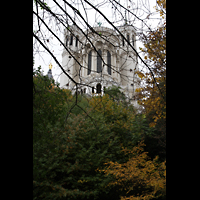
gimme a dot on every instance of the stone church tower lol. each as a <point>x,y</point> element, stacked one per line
<point>114,64</point>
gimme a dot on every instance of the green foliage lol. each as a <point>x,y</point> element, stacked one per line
<point>115,93</point>
<point>48,102</point>
<point>73,138</point>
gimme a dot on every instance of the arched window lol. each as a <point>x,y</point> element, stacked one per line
<point>98,88</point>
<point>133,40</point>
<point>128,39</point>
<point>76,41</point>
<point>89,62</point>
<point>99,61</point>
<point>66,40</point>
<point>122,41</point>
<point>71,40</point>
<point>109,62</point>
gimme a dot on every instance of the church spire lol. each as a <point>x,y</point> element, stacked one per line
<point>50,72</point>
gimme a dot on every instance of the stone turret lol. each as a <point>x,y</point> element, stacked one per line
<point>100,60</point>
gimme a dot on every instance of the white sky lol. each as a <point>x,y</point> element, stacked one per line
<point>44,59</point>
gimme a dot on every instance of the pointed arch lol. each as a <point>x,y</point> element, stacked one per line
<point>109,62</point>
<point>99,61</point>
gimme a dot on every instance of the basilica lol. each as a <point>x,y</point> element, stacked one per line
<point>101,58</point>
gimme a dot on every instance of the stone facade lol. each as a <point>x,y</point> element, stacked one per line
<point>114,64</point>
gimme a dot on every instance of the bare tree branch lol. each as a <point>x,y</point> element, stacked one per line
<point>128,43</point>
<point>54,59</point>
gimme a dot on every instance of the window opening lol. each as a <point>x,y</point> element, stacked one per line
<point>89,62</point>
<point>133,41</point>
<point>77,41</point>
<point>99,61</point>
<point>109,62</point>
<point>98,88</point>
<point>128,38</point>
<point>71,40</point>
<point>66,41</point>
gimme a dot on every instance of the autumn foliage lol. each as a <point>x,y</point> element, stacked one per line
<point>139,178</point>
<point>152,95</point>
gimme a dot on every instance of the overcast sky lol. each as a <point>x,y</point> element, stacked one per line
<point>44,59</point>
